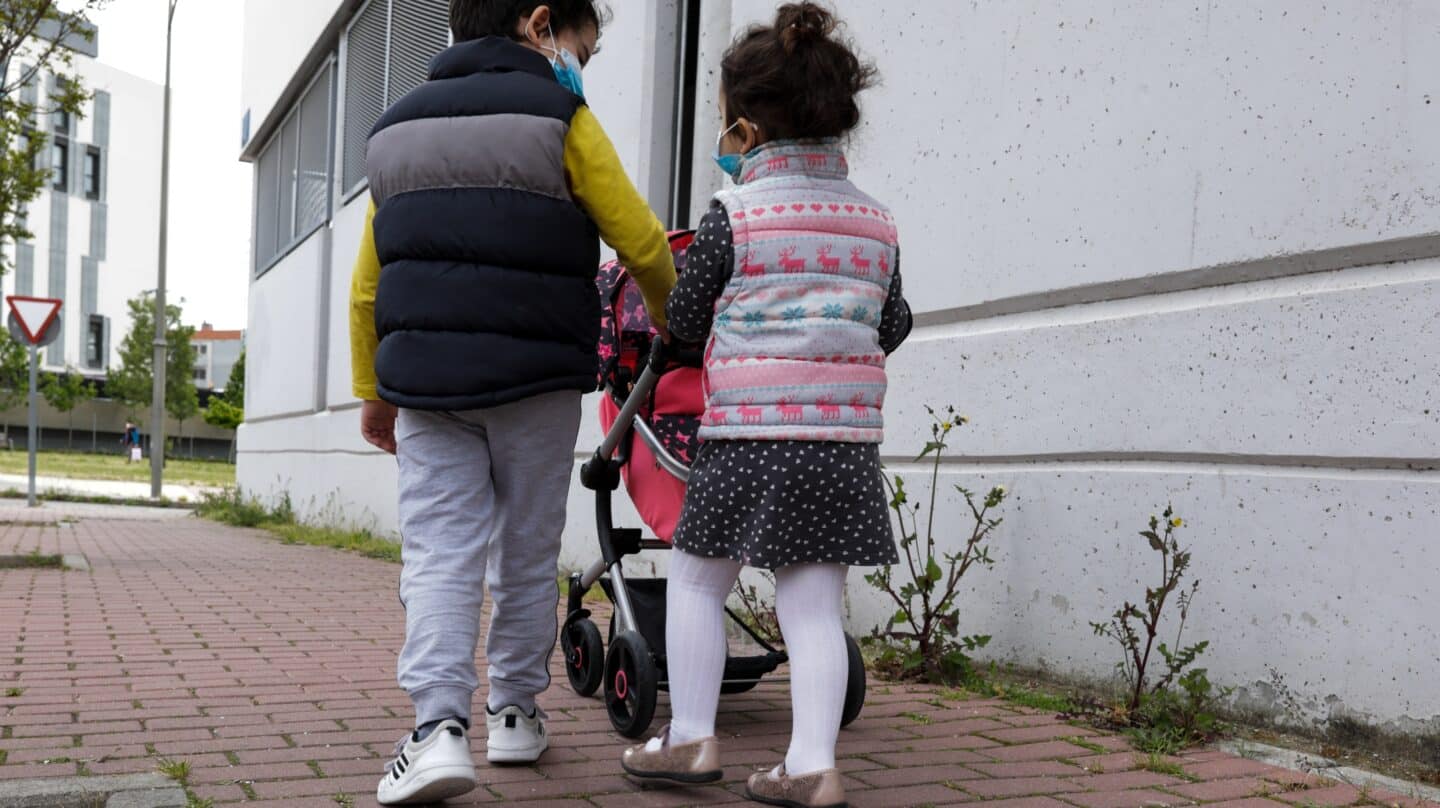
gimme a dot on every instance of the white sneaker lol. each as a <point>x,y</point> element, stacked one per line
<point>516,737</point>
<point>430,770</point>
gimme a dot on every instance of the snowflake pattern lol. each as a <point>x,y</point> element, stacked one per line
<point>774,503</point>
<point>794,314</point>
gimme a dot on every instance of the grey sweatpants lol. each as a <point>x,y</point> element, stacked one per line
<point>482,502</point>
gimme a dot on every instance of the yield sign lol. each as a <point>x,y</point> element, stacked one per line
<point>35,314</point>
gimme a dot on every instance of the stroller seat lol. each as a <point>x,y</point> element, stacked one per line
<point>651,407</point>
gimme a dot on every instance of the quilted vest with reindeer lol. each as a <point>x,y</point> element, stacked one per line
<point>795,351</point>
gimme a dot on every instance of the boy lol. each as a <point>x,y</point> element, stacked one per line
<point>474,319</point>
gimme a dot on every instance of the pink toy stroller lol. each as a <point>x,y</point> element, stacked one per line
<point>651,411</point>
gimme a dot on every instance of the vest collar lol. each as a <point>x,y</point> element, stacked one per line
<point>491,54</point>
<point>824,159</point>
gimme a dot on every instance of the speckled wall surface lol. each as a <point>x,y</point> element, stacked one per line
<point>1178,252</point>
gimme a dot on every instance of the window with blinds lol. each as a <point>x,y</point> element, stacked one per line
<point>292,175</point>
<point>387,53</point>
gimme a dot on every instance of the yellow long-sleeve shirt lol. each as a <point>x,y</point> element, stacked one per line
<point>600,185</point>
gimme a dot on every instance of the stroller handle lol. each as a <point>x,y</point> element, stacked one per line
<point>635,399</point>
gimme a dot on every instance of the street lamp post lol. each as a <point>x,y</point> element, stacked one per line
<point>157,416</point>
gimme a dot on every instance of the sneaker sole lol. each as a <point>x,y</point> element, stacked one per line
<point>515,756</point>
<point>675,778</point>
<point>434,785</point>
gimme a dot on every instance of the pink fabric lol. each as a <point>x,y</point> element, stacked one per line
<point>657,495</point>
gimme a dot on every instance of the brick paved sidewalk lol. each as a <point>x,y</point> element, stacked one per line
<point>269,668</point>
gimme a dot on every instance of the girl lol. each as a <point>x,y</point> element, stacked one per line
<point>794,279</point>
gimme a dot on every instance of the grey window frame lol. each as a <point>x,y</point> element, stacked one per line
<point>92,361</point>
<point>60,174</point>
<point>288,244</point>
<point>92,159</point>
<point>348,194</point>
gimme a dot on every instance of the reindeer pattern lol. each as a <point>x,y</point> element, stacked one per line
<point>814,258</point>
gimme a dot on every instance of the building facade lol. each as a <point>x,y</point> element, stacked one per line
<point>216,353</point>
<point>1159,253</point>
<point>96,225</point>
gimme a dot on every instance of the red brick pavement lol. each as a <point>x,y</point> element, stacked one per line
<point>270,669</point>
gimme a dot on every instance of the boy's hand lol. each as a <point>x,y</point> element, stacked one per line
<point>377,424</point>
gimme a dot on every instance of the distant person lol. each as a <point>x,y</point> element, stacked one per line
<point>493,184</point>
<point>131,442</point>
<point>800,307</point>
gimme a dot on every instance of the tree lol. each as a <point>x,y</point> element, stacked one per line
<point>14,372</point>
<point>132,382</point>
<point>65,393</point>
<point>32,37</point>
<point>183,401</point>
<point>235,385</point>
<point>228,411</point>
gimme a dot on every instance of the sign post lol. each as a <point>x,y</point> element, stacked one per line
<point>34,321</point>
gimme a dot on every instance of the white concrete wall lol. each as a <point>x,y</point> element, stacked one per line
<point>1159,254</point>
<point>1109,218</point>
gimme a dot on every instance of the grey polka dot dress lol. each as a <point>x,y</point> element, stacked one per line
<point>771,503</point>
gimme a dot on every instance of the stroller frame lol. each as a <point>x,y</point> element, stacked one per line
<point>631,674</point>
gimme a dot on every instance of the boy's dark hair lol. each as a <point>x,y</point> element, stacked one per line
<point>473,19</point>
<point>796,78</point>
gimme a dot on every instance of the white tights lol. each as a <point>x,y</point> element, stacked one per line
<point>808,601</point>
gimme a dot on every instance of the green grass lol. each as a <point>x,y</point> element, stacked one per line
<point>177,770</point>
<point>919,718</point>
<point>1159,765</point>
<point>1036,699</point>
<point>1076,740</point>
<point>14,692</point>
<point>89,499</point>
<point>31,561</point>
<point>344,800</point>
<point>4,755</point>
<point>84,466</point>
<point>233,508</point>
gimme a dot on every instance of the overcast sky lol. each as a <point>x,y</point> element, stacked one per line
<point>209,187</point>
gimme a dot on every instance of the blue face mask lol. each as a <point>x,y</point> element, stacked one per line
<point>731,164</point>
<point>567,68</point>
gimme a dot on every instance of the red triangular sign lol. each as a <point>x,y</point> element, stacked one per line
<point>35,314</point>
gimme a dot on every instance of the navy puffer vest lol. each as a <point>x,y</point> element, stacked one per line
<point>487,288</point>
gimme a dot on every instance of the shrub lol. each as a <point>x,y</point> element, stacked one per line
<point>923,637</point>
<point>1161,719</point>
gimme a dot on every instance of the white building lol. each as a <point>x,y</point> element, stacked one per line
<point>96,226</point>
<point>216,353</point>
<point>1159,252</point>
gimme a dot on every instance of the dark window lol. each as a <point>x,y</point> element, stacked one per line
<point>62,121</point>
<point>199,374</point>
<point>60,164</point>
<point>92,173</point>
<point>95,342</point>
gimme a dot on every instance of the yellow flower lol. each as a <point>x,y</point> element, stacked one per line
<point>1177,522</point>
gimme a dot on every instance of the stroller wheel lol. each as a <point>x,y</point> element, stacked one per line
<point>855,687</point>
<point>584,656</point>
<point>630,684</point>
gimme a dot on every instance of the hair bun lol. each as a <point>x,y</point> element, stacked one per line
<point>802,22</point>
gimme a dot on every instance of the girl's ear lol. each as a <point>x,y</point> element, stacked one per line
<point>749,135</point>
